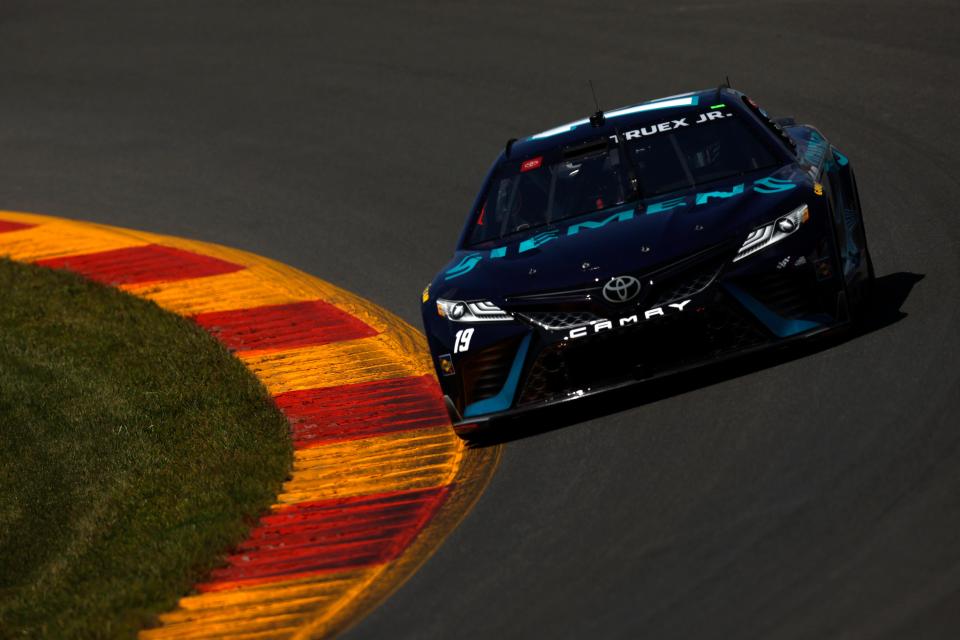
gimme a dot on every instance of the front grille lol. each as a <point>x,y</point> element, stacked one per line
<point>658,345</point>
<point>485,370</point>
<point>546,378</point>
<point>559,320</point>
<point>728,331</point>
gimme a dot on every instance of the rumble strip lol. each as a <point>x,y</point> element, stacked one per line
<point>379,478</point>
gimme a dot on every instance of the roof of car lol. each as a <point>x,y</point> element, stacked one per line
<point>614,119</point>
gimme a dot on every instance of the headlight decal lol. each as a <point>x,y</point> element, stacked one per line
<point>475,311</point>
<point>782,227</point>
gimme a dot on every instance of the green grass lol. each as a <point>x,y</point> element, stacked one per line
<point>134,451</point>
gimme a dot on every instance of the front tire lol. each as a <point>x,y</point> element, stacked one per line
<point>865,287</point>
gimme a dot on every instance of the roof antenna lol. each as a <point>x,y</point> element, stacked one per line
<point>597,119</point>
<point>721,87</point>
<point>508,146</point>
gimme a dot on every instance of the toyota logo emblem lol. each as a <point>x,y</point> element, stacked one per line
<point>621,289</point>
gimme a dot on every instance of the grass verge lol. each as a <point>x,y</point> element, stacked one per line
<point>134,450</point>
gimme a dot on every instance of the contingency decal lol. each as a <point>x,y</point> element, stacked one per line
<point>446,365</point>
<point>531,164</point>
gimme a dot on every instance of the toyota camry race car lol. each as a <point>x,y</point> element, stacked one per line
<point>640,242</point>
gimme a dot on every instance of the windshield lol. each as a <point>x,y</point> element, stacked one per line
<point>535,193</point>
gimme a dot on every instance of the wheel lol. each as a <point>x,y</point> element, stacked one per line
<point>861,307</point>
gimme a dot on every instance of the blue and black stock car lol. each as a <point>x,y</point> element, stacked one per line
<point>642,241</point>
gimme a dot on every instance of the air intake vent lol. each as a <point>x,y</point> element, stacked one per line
<point>485,371</point>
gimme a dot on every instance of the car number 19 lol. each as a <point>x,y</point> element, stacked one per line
<point>461,342</point>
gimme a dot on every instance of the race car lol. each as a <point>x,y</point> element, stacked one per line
<point>639,242</point>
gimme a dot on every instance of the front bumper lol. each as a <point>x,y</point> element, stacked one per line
<point>466,427</point>
<point>725,309</point>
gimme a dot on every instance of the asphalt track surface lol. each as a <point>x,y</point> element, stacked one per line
<point>811,495</point>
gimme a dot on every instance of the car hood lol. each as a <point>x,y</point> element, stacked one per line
<point>616,241</point>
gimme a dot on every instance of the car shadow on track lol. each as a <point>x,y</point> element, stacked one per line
<point>889,294</point>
